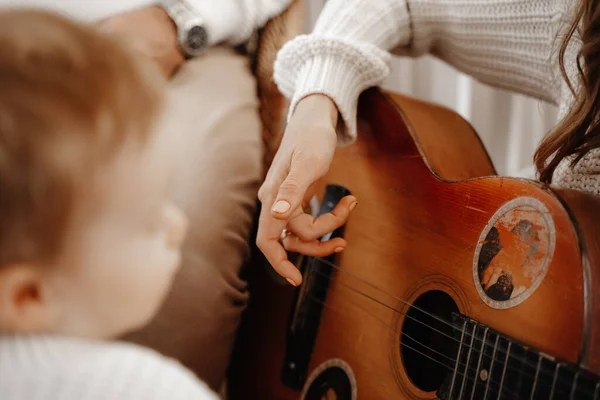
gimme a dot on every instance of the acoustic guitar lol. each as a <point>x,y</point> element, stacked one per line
<point>455,284</point>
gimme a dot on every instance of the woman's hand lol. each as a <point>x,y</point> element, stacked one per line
<point>304,156</point>
<point>152,34</point>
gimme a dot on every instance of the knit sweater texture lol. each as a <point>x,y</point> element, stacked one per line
<point>508,44</point>
<point>61,368</point>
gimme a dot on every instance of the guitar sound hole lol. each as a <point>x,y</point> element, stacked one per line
<point>427,344</point>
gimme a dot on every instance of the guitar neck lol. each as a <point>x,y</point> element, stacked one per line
<point>489,365</point>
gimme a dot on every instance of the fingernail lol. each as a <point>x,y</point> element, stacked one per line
<point>281,206</point>
<point>291,282</point>
<point>353,205</point>
<point>339,249</point>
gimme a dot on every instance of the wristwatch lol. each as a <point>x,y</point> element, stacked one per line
<point>191,32</point>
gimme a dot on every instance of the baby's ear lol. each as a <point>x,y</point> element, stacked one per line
<point>23,306</point>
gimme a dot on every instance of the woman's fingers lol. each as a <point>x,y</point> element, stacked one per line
<point>269,242</point>
<point>308,229</point>
<point>308,195</point>
<point>303,231</point>
<point>314,248</point>
<point>291,192</point>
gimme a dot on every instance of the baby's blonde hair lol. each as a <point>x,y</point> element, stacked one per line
<point>69,98</point>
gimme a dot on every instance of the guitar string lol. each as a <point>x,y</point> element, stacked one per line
<point>466,370</point>
<point>558,382</point>
<point>401,300</point>
<point>464,374</point>
<point>473,348</point>
<point>523,360</point>
<point>427,313</point>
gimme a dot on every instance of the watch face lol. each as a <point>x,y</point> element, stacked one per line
<point>197,39</point>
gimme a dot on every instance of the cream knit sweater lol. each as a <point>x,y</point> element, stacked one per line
<point>511,44</point>
<point>59,368</point>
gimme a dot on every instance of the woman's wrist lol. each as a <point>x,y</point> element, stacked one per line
<point>319,108</point>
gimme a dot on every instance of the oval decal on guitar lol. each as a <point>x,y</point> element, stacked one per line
<point>514,252</point>
<point>333,380</point>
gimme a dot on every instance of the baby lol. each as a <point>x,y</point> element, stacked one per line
<point>89,242</point>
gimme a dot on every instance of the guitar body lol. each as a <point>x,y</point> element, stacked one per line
<point>430,240</point>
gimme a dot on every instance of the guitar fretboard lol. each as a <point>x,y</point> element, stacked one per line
<point>491,366</point>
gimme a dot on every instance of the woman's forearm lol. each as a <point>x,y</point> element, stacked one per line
<point>507,44</point>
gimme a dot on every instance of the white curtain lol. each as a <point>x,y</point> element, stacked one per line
<point>510,125</point>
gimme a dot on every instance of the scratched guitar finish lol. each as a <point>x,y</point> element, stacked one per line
<point>456,283</point>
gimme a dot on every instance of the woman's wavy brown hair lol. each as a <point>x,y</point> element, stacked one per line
<point>579,130</point>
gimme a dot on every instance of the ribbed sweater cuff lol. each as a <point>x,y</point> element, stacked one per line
<point>333,68</point>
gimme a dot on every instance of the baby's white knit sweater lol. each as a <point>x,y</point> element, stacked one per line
<point>511,44</point>
<point>55,368</point>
